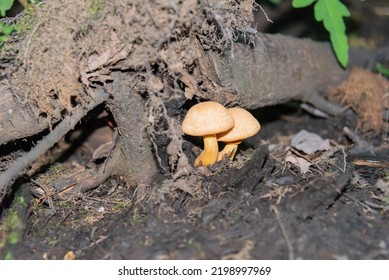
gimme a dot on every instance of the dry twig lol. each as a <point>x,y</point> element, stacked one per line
<point>288,244</point>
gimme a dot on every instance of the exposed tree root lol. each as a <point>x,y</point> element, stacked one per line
<point>75,184</point>
<point>190,44</point>
<point>46,143</point>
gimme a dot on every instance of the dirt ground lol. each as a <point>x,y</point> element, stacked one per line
<point>261,206</point>
<point>265,209</point>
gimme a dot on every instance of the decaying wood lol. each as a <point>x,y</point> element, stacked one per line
<point>61,130</point>
<point>16,117</point>
<point>133,148</point>
<point>276,69</point>
<point>272,69</point>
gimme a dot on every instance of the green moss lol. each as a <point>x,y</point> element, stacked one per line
<point>136,217</point>
<point>190,241</point>
<point>26,23</point>
<point>13,228</point>
<point>9,256</point>
<point>13,225</point>
<point>13,238</point>
<point>94,7</point>
<point>121,205</point>
<point>53,242</point>
<point>237,212</point>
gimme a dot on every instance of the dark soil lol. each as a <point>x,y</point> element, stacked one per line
<point>257,207</point>
<point>261,210</point>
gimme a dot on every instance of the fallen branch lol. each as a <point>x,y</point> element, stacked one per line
<point>53,137</point>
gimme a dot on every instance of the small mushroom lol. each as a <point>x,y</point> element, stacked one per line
<point>207,119</point>
<point>245,126</point>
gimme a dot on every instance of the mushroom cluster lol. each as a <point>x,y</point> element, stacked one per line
<point>214,123</point>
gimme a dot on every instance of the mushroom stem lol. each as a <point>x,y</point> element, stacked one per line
<point>209,155</point>
<point>229,149</point>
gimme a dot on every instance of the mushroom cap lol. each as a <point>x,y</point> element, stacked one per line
<point>207,118</point>
<point>245,126</point>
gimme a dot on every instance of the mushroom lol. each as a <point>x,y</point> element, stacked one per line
<point>245,126</point>
<point>207,119</point>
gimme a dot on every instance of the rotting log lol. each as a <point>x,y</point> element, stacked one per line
<point>131,155</point>
<point>67,124</point>
<point>276,70</point>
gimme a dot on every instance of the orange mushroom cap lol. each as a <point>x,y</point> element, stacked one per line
<point>245,126</point>
<point>207,119</point>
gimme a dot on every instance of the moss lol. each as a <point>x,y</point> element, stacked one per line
<point>136,217</point>
<point>94,7</point>
<point>26,23</point>
<point>9,256</point>
<point>190,241</point>
<point>13,227</point>
<point>121,205</point>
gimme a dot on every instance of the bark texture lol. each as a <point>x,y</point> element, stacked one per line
<point>133,151</point>
<point>274,69</point>
<point>17,119</point>
<point>277,69</point>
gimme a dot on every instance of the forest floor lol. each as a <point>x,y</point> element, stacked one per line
<point>262,206</point>
<point>275,201</point>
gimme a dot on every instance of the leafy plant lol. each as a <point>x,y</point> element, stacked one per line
<point>5,29</point>
<point>383,71</point>
<point>5,5</point>
<point>331,13</point>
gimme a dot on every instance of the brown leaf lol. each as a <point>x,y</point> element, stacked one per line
<point>300,162</point>
<point>309,142</point>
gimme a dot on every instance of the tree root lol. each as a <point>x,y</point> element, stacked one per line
<point>324,105</point>
<point>75,184</point>
<point>53,137</point>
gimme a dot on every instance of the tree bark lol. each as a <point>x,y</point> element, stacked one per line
<point>67,124</point>
<point>133,150</point>
<point>276,69</point>
<point>17,120</point>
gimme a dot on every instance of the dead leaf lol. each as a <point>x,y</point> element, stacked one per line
<point>300,162</point>
<point>309,142</point>
<point>383,185</point>
<point>190,84</point>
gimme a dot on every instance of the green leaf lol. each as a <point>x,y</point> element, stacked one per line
<point>5,5</point>
<point>382,70</point>
<point>331,12</point>
<point>8,29</point>
<point>302,3</point>
<point>3,38</point>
